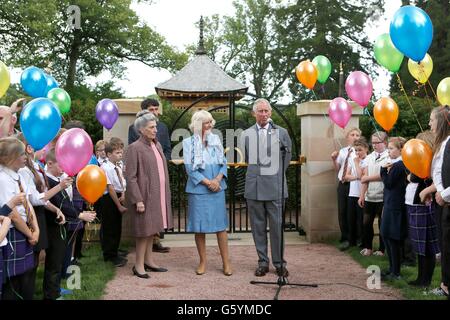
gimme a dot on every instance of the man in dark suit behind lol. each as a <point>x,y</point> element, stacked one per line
<point>163,136</point>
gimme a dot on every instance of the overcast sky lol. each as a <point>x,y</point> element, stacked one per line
<point>175,20</point>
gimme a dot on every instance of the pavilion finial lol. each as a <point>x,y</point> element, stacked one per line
<point>201,47</point>
<point>341,79</point>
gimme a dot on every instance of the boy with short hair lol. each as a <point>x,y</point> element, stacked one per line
<point>113,203</point>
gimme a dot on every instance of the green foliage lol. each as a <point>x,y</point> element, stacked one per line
<point>84,101</point>
<point>95,274</point>
<point>407,125</point>
<point>37,33</point>
<point>408,274</point>
<point>264,41</point>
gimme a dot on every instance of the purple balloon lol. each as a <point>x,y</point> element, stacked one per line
<point>340,111</point>
<point>359,88</point>
<point>107,113</point>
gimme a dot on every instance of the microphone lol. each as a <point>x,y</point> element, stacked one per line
<point>282,146</point>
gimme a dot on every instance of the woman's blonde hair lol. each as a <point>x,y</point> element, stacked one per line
<point>353,129</point>
<point>198,118</point>
<point>442,126</point>
<point>426,136</point>
<point>10,149</point>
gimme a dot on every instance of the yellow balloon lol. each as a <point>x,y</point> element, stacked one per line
<point>421,71</point>
<point>4,79</point>
<point>443,91</point>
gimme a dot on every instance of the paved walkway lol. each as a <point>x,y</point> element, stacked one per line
<point>338,275</point>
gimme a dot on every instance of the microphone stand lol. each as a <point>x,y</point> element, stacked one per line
<point>282,280</point>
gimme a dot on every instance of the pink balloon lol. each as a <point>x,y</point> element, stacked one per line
<point>359,88</point>
<point>74,150</point>
<point>340,111</point>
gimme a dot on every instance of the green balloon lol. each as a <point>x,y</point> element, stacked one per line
<point>387,54</point>
<point>323,66</point>
<point>61,98</point>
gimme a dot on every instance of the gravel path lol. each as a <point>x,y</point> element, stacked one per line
<point>340,277</point>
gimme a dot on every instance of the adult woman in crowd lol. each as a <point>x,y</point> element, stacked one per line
<point>148,192</point>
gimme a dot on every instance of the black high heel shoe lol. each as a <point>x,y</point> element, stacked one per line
<point>140,275</point>
<point>152,269</point>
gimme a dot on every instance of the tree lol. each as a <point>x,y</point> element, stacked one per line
<point>439,12</point>
<point>264,40</point>
<point>37,33</point>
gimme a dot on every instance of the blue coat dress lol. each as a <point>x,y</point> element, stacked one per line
<point>206,209</point>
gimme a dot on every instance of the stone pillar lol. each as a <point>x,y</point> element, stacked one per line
<point>319,138</point>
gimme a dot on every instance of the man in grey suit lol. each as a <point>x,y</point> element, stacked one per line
<point>264,144</point>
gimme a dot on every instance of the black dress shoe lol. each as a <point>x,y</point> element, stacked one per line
<point>261,271</point>
<point>158,247</point>
<point>152,269</point>
<point>282,272</point>
<point>118,261</point>
<point>140,275</point>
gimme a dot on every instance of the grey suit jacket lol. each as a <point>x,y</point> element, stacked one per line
<point>263,181</point>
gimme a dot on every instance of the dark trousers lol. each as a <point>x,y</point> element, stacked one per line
<point>342,192</point>
<point>445,248</point>
<point>54,258</point>
<point>111,228</point>
<point>67,260</point>
<point>371,211</point>
<point>355,221</point>
<point>408,255</point>
<point>393,249</point>
<point>426,265</point>
<point>79,243</point>
<point>20,287</point>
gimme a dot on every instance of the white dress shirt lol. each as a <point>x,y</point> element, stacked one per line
<point>10,188</point>
<point>112,177</point>
<point>436,169</point>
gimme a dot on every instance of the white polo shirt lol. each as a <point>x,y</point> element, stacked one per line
<point>113,178</point>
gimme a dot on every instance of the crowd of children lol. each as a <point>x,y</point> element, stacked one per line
<point>41,210</point>
<point>379,185</point>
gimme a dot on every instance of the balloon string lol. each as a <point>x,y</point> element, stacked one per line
<point>402,88</point>
<point>367,112</point>
<point>432,90</point>
<point>426,95</point>
<point>328,119</point>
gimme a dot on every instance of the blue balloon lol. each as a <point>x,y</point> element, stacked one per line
<point>51,84</point>
<point>40,121</point>
<point>411,32</point>
<point>34,82</point>
<point>93,160</point>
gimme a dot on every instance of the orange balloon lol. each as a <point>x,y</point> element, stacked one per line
<point>417,157</point>
<point>306,73</point>
<point>385,112</point>
<point>91,183</point>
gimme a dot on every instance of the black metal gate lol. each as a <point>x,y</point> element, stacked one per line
<point>235,201</point>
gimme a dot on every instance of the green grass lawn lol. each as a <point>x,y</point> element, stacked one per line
<point>95,274</point>
<point>408,274</point>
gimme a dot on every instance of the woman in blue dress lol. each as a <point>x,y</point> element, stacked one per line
<point>206,167</point>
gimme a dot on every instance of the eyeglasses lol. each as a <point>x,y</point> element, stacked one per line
<point>377,142</point>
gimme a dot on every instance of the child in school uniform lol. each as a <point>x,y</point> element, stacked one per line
<point>23,233</point>
<point>341,160</point>
<point>35,179</point>
<point>113,204</point>
<point>423,234</point>
<point>394,223</point>
<point>100,152</point>
<point>59,236</point>
<point>354,173</point>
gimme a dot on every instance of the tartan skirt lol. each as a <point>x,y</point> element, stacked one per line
<point>18,254</point>
<point>423,229</point>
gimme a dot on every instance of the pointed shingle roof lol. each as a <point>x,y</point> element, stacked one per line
<point>200,75</point>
